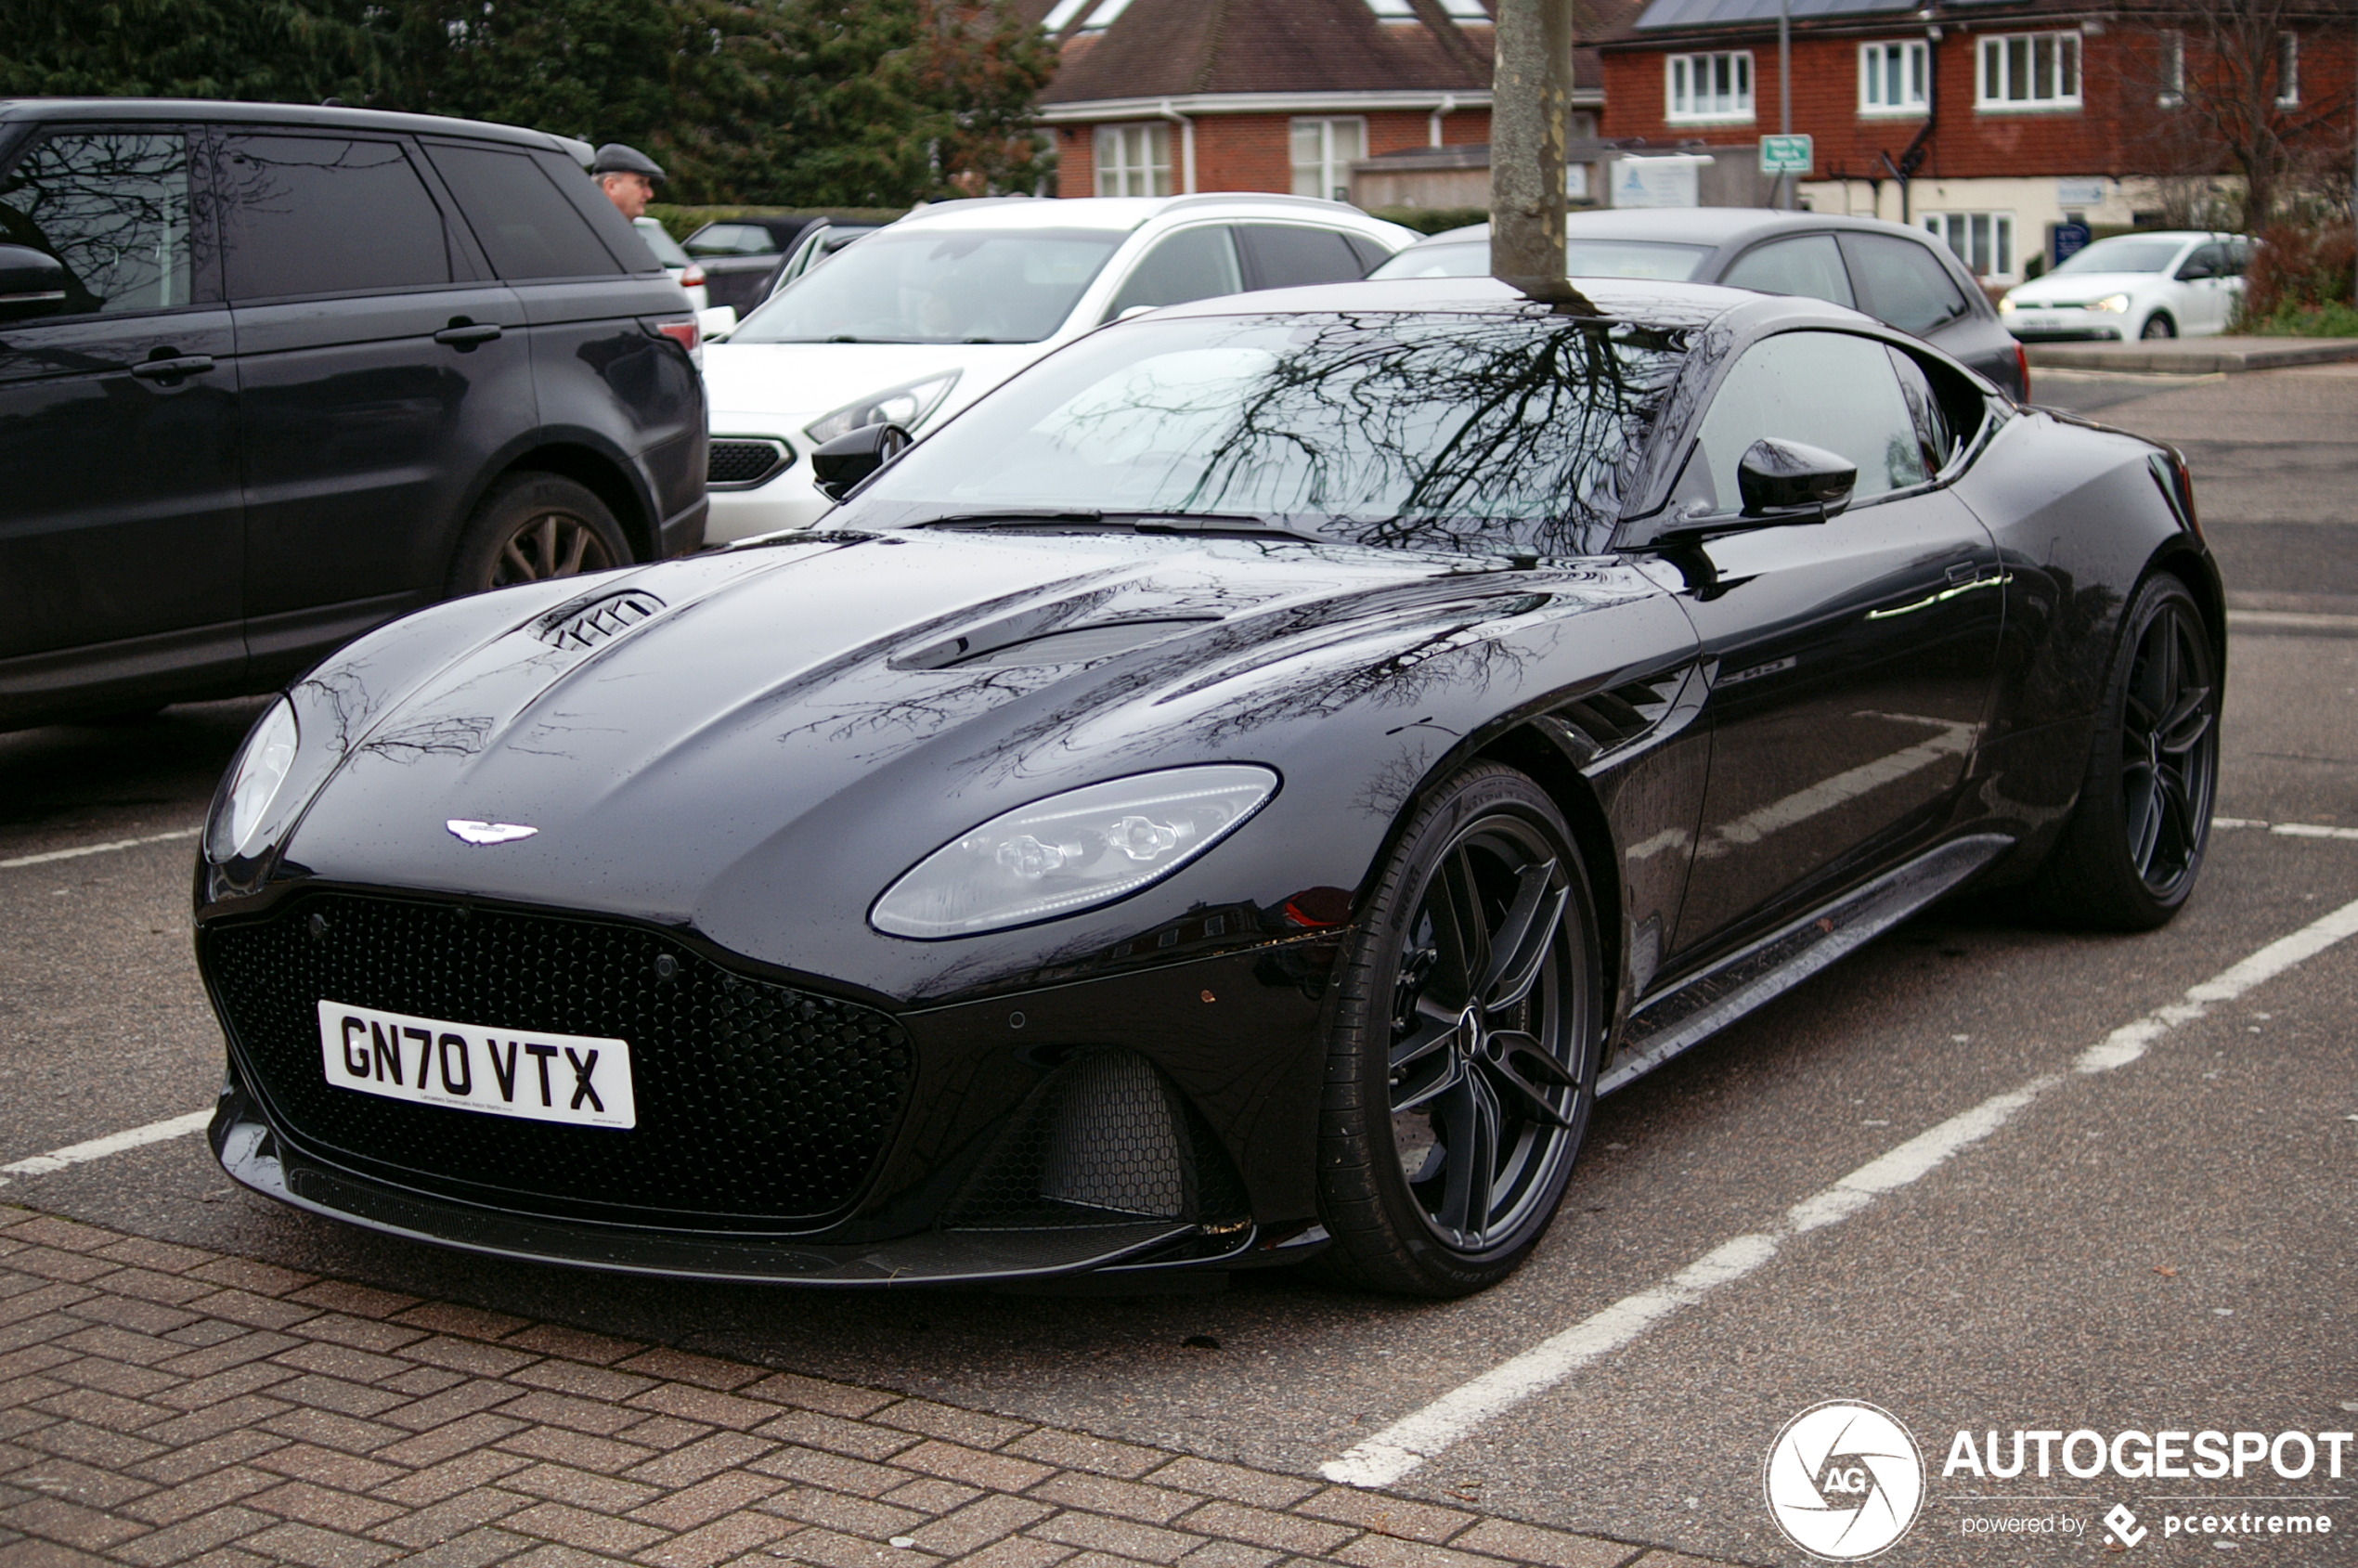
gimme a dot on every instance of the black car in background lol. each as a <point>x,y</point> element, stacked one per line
<point>271,375</point>
<point>1902,277</point>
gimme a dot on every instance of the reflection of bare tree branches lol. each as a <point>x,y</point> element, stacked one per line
<point>431,737</point>
<point>1491,433</point>
<point>114,208</point>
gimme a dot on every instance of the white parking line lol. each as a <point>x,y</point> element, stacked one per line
<point>98,1148</point>
<point>1420,1435</point>
<point>2287,830</point>
<point>99,849</point>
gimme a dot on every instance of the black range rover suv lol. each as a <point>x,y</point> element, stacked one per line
<point>271,375</point>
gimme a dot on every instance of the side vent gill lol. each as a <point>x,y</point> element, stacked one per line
<point>586,626</point>
<point>1610,720</point>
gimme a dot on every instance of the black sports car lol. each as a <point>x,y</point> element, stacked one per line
<point>1236,793</point>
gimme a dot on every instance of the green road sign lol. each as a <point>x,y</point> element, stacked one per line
<point>1784,155</point>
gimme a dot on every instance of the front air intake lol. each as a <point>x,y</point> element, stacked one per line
<point>1107,1140</point>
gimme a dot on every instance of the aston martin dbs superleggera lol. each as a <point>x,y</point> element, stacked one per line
<point>1234,794</point>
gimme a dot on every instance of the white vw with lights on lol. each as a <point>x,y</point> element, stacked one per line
<point>572,1079</point>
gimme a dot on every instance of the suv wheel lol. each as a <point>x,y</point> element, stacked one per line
<point>532,528</point>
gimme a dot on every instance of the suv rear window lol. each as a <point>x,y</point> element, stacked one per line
<point>1904,283</point>
<point>327,215</point>
<point>525,223</point>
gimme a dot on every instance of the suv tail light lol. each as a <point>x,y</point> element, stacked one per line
<point>685,333</point>
<point>2022,362</point>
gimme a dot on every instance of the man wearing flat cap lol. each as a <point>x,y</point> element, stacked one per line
<point>627,176</point>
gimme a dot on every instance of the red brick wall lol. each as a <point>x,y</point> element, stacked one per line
<point>2113,133</point>
<point>1255,151</point>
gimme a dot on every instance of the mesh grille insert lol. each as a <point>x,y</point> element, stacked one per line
<point>736,461</point>
<point>756,1102</point>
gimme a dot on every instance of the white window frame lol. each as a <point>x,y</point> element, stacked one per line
<point>1334,172</point>
<point>1994,89</point>
<point>1996,231</point>
<point>2173,70</point>
<point>1874,77</point>
<point>1690,79</point>
<point>1135,147</point>
<point>2287,70</point>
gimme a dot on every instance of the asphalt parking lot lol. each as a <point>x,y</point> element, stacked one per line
<point>2157,1235</point>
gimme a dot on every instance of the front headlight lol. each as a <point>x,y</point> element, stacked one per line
<point>2117,304</point>
<point>2006,306</point>
<point>904,406</point>
<point>235,831</point>
<point>1071,852</point>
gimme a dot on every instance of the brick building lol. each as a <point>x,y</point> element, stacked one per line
<point>1986,121</point>
<point>1170,96</point>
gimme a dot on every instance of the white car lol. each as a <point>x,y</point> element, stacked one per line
<point>923,317</point>
<point>676,262</point>
<point>2160,284</point>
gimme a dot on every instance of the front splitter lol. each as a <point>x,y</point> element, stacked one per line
<point>253,1155</point>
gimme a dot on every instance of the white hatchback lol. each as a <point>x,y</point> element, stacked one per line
<point>912,323</point>
<point>2160,284</point>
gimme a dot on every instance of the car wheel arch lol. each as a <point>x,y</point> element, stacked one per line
<point>596,473</point>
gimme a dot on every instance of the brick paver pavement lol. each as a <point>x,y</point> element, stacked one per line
<point>163,1406</point>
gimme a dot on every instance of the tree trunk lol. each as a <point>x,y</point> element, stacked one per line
<point>1531,111</point>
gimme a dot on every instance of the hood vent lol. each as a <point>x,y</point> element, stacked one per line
<point>586,626</point>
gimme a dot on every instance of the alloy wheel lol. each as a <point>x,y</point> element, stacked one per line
<point>549,544</point>
<point>2168,742</point>
<point>1484,1085</point>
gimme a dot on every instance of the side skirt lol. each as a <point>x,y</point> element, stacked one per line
<point>1667,1024</point>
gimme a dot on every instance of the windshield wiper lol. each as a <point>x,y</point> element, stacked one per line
<point>1011,514</point>
<point>1215,523</point>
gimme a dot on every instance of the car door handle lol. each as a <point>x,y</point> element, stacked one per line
<point>466,334</point>
<point>172,370</point>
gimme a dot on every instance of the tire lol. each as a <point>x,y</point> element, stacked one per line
<point>1503,1067</point>
<point>531,527</point>
<point>2159,325</point>
<point>2134,844</point>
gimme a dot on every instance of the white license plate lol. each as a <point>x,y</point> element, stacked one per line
<point>573,1078</point>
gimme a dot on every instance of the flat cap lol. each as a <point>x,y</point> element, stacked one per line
<point>615,159</point>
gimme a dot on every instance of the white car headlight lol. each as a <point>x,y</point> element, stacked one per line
<point>2117,304</point>
<point>1071,852</point>
<point>236,829</point>
<point>904,406</point>
<point>2006,306</point>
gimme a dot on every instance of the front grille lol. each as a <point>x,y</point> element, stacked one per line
<point>756,1102</point>
<point>742,463</point>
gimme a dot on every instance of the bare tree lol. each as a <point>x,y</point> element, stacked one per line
<point>2223,81</point>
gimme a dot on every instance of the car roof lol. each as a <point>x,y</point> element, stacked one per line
<point>217,112</point>
<point>1620,298</point>
<point>1693,225</point>
<point>1127,213</point>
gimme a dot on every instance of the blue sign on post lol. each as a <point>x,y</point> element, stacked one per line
<point>2071,237</point>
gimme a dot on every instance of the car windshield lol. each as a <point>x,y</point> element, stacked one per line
<point>666,248</point>
<point>1582,258</point>
<point>936,285</point>
<point>2124,254</point>
<point>1470,434</point>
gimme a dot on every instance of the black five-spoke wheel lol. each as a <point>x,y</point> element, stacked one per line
<point>1459,1086</point>
<point>2129,857</point>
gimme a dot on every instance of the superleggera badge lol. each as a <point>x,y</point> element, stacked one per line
<point>475,831</point>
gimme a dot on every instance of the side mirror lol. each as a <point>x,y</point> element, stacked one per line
<point>842,464</point>
<point>1787,480</point>
<point>31,283</point>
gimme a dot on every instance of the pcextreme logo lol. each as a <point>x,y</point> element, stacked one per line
<point>1843,1480</point>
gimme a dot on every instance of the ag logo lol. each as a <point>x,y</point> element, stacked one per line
<point>1844,1481</point>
